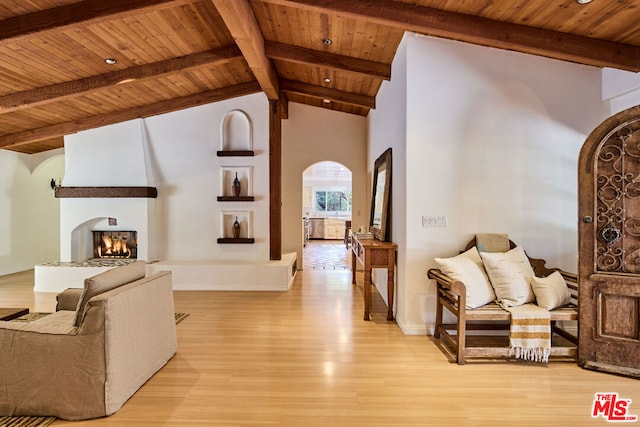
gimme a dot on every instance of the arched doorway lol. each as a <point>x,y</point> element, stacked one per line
<point>326,209</point>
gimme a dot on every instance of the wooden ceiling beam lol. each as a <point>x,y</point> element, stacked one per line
<point>75,15</point>
<point>299,55</point>
<point>62,91</point>
<point>284,103</point>
<point>327,93</point>
<point>481,31</point>
<point>22,138</point>
<point>241,22</point>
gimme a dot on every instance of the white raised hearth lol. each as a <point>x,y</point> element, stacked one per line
<point>187,275</point>
<point>58,276</point>
<point>230,275</point>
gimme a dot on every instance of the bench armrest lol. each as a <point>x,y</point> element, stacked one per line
<point>447,282</point>
<point>452,290</point>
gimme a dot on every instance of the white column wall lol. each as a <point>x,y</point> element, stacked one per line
<point>312,135</point>
<point>388,129</point>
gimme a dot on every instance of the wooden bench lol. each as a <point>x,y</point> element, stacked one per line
<point>486,320</point>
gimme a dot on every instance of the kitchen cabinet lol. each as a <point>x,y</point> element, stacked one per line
<point>326,228</point>
<point>334,229</point>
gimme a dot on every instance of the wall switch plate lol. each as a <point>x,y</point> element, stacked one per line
<point>434,221</point>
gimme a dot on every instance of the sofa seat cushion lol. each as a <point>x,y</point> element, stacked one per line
<point>106,281</point>
<point>58,323</point>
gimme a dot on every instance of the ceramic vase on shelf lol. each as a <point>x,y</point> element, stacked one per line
<point>235,186</point>
<point>236,229</point>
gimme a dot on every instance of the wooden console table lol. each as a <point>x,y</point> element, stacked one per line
<point>373,253</point>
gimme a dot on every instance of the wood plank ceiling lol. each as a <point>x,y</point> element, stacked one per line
<point>175,54</point>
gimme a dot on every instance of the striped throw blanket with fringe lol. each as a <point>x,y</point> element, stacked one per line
<point>530,333</point>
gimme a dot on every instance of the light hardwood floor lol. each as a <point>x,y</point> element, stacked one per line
<point>306,358</point>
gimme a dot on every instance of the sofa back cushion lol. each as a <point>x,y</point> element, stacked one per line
<point>106,281</point>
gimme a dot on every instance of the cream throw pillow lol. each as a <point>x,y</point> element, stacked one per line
<point>510,273</point>
<point>551,291</point>
<point>467,268</point>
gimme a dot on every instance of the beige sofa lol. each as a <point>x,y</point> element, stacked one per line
<point>86,359</point>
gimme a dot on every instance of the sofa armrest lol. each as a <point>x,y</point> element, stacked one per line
<point>68,299</point>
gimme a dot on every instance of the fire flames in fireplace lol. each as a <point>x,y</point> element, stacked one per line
<point>115,244</point>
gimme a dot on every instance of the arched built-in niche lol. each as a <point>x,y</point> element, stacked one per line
<point>236,132</point>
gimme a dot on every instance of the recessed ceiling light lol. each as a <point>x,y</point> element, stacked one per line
<point>326,101</point>
<point>583,1</point>
<point>327,41</point>
<point>327,80</point>
<point>110,61</point>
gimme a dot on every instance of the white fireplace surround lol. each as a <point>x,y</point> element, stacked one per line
<point>115,158</point>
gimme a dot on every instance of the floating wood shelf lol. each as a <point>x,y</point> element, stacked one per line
<point>222,240</point>
<point>236,199</point>
<point>106,192</point>
<point>236,153</point>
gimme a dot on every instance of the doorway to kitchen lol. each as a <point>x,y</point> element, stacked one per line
<point>326,212</point>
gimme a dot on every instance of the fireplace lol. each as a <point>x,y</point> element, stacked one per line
<point>115,244</point>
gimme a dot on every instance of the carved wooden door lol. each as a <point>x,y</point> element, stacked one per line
<point>609,246</point>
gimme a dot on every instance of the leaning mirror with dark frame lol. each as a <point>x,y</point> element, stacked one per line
<point>379,221</point>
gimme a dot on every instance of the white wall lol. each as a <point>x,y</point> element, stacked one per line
<point>387,128</point>
<point>311,135</point>
<point>175,152</point>
<point>492,142</point>
<point>188,175</point>
<point>621,89</point>
<point>29,213</point>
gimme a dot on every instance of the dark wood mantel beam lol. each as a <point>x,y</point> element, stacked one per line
<point>481,31</point>
<point>106,192</point>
